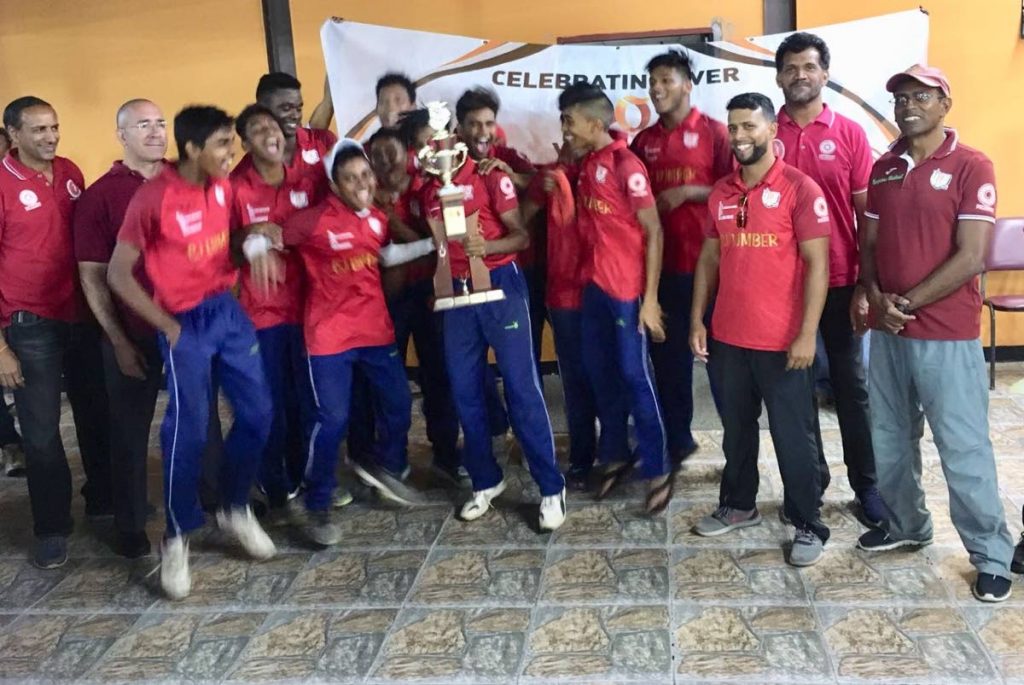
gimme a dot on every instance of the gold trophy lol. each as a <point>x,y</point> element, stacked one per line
<point>443,156</point>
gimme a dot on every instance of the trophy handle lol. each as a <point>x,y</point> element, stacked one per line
<point>461,154</point>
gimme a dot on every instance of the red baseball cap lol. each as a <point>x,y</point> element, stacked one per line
<point>929,76</point>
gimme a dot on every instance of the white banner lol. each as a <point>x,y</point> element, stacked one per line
<point>529,77</point>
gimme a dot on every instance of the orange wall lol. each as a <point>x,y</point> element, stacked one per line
<point>981,51</point>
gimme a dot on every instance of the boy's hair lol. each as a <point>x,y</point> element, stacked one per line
<point>196,123</point>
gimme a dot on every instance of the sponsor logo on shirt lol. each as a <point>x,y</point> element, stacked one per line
<point>310,156</point>
<point>674,176</point>
<point>352,264</point>
<point>771,198</point>
<point>600,174</point>
<point>940,179</point>
<point>596,204</point>
<point>652,152</point>
<point>218,195</point>
<point>467,193</point>
<point>257,215</point>
<point>190,223</point>
<point>73,190</point>
<point>891,174</point>
<point>747,239</point>
<point>637,184</point>
<point>340,241</point>
<point>507,188</point>
<point>375,226</point>
<point>827,150</point>
<point>29,200</point>
<point>691,139</point>
<point>987,198</point>
<point>724,209</point>
<point>299,199</point>
<point>821,210</point>
<point>204,249</point>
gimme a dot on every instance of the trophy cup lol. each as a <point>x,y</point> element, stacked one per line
<point>443,157</point>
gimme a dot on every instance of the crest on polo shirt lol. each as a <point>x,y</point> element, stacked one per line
<point>771,198</point>
<point>987,197</point>
<point>691,139</point>
<point>467,192</point>
<point>257,215</point>
<point>340,241</point>
<point>190,223</point>
<point>310,156</point>
<point>600,174</point>
<point>73,190</point>
<point>218,194</point>
<point>375,225</point>
<point>940,180</point>
<point>29,200</point>
<point>507,188</point>
<point>299,199</point>
<point>652,152</point>
<point>827,150</point>
<point>821,209</point>
<point>637,185</point>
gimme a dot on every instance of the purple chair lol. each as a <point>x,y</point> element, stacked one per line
<point>1006,253</point>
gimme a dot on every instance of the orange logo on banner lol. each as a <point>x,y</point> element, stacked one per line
<point>622,109</point>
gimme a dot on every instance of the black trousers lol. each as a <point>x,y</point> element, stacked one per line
<point>55,353</point>
<point>132,403</point>
<point>849,385</point>
<point>746,378</point>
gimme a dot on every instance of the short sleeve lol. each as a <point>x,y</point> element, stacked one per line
<point>635,183</point>
<point>861,161</point>
<point>722,158</point>
<point>871,206</point>
<point>977,191</point>
<point>93,236</point>
<point>140,220</point>
<point>325,140</point>
<point>810,212</point>
<point>502,192</point>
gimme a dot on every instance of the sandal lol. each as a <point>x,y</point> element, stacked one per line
<point>611,477</point>
<point>662,494</point>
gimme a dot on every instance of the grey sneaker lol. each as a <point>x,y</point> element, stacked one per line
<point>341,498</point>
<point>807,548</point>
<point>726,519</point>
<point>320,529</point>
<point>389,486</point>
<point>13,460</point>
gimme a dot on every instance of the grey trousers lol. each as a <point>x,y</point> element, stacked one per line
<point>944,381</point>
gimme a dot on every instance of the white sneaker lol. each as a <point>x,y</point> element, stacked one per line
<point>552,511</point>
<point>481,502</point>
<point>175,578</point>
<point>243,526</point>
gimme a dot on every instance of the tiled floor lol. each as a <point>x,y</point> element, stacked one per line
<point>612,597</point>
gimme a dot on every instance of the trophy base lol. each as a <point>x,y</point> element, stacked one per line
<point>443,304</point>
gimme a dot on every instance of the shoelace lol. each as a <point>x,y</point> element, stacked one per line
<point>722,514</point>
<point>804,537</point>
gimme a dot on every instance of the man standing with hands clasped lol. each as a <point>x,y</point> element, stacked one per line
<point>766,252</point>
<point>931,207</point>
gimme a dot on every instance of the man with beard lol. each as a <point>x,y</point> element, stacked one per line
<point>930,209</point>
<point>45,343</point>
<point>685,152</point>
<point>766,254</point>
<point>834,151</point>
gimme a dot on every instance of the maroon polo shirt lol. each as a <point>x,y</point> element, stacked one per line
<point>918,209</point>
<point>98,218</point>
<point>37,264</point>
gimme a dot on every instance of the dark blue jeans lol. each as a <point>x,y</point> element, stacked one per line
<point>51,353</point>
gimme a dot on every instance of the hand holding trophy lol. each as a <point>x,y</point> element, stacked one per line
<point>443,156</point>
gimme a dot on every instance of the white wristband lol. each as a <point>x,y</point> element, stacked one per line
<point>255,246</point>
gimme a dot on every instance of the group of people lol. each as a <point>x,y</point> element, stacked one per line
<point>736,243</point>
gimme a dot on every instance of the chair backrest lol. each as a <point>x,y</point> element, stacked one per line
<point>1006,252</point>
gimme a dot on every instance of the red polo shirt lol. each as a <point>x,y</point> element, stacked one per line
<point>256,201</point>
<point>612,187</point>
<point>696,152</point>
<point>566,247</point>
<point>488,196</point>
<point>760,301</point>
<point>38,273</point>
<point>834,151</point>
<point>918,209</point>
<point>311,147</point>
<point>406,206</point>
<point>182,230</point>
<point>345,306</point>
<point>519,164</point>
<point>98,218</point>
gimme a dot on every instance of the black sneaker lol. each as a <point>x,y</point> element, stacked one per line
<point>872,507</point>
<point>877,540</point>
<point>991,588</point>
<point>133,545</point>
<point>50,552</point>
<point>679,457</point>
<point>1017,565</point>
<point>577,478</point>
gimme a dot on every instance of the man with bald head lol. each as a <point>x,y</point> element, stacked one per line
<point>131,359</point>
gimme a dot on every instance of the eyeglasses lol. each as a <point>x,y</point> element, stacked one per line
<point>741,215</point>
<point>920,97</point>
<point>148,125</point>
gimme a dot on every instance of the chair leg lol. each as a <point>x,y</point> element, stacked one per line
<point>992,348</point>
